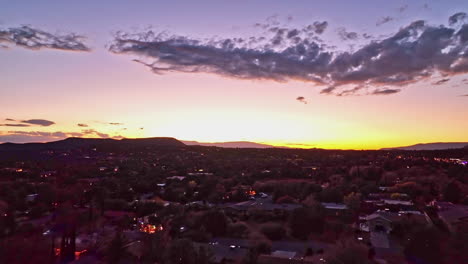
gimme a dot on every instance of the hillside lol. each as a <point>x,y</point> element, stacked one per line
<point>235,144</point>
<point>433,146</point>
<point>76,143</point>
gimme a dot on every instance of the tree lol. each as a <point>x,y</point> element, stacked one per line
<point>353,201</point>
<point>154,247</point>
<point>349,252</point>
<point>273,231</point>
<point>251,257</point>
<point>424,246</point>
<point>215,222</point>
<point>452,192</point>
<point>304,221</point>
<point>116,249</point>
<point>203,257</point>
<point>180,251</point>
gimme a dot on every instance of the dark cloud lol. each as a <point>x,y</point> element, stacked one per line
<point>384,20</point>
<point>416,52</point>
<point>15,125</point>
<point>115,124</point>
<point>464,95</point>
<point>39,122</point>
<point>82,125</point>
<point>459,17</point>
<point>35,39</point>
<point>347,35</point>
<point>385,91</point>
<point>441,81</point>
<point>320,27</point>
<point>301,99</point>
<point>9,119</point>
<point>141,128</point>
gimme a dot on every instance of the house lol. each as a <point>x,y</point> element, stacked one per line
<point>281,256</point>
<point>223,253</point>
<point>452,215</point>
<point>179,178</point>
<point>31,197</point>
<point>263,204</point>
<point>384,221</point>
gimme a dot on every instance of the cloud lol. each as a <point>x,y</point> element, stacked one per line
<point>457,18</point>
<point>82,125</point>
<point>346,35</point>
<point>35,136</point>
<point>35,39</point>
<point>9,119</point>
<point>93,132</point>
<point>116,124</point>
<point>39,122</point>
<point>15,125</point>
<point>414,53</point>
<point>385,91</point>
<point>301,99</point>
<point>441,81</point>
<point>384,20</point>
<point>320,27</point>
<point>40,136</point>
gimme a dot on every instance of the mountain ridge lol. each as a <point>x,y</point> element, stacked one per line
<point>229,144</point>
<point>432,146</point>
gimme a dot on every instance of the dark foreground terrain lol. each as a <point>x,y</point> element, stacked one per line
<point>158,200</point>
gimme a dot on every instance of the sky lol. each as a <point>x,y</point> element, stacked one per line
<point>315,74</point>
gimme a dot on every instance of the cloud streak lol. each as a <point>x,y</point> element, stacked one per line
<point>40,136</point>
<point>384,20</point>
<point>39,122</point>
<point>301,99</point>
<point>36,39</point>
<point>414,53</point>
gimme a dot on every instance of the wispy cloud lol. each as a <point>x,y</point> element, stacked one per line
<point>301,99</point>
<point>441,81</point>
<point>92,132</point>
<point>385,91</point>
<point>39,122</point>
<point>35,39</point>
<point>26,123</point>
<point>42,136</point>
<point>414,53</point>
<point>15,125</point>
<point>82,125</point>
<point>459,17</point>
<point>345,35</point>
<point>384,20</point>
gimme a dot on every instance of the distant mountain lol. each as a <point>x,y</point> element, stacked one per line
<point>235,144</point>
<point>434,146</point>
<point>75,143</point>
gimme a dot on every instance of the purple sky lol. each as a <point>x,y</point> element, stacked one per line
<point>235,70</point>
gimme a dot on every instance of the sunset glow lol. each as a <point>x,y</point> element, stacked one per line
<point>99,84</point>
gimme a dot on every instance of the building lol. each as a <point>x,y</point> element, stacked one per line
<point>384,221</point>
<point>452,215</point>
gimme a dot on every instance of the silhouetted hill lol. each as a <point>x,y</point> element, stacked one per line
<point>76,143</point>
<point>434,146</point>
<point>236,144</point>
